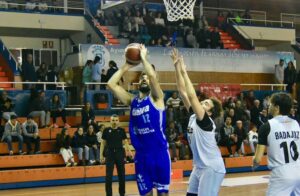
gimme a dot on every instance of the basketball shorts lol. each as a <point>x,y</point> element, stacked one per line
<point>153,170</point>
<point>284,180</point>
<point>205,182</point>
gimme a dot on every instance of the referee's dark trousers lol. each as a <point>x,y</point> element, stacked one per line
<point>115,156</point>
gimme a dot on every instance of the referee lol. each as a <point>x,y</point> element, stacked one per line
<point>114,138</point>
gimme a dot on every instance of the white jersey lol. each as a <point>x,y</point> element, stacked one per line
<point>203,144</point>
<point>283,142</point>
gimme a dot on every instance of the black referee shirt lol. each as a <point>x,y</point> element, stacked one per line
<point>114,137</point>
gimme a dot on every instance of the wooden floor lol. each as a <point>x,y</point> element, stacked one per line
<point>178,188</point>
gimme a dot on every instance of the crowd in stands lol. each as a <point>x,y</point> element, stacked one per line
<point>141,25</point>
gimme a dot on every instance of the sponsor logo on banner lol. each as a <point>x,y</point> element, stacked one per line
<point>97,50</point>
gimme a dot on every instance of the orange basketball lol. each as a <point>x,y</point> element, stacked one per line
<point>132,54</point>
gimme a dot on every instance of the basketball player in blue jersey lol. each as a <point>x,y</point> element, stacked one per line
<point>146,127</point>
<point>209,170</point>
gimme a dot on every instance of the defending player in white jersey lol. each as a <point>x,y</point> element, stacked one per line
<point>209,170</point>
<point>281,136</point>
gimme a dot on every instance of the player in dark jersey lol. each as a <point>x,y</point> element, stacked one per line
<point>146,127</point>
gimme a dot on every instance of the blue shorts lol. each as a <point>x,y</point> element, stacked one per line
<point>153,170</point>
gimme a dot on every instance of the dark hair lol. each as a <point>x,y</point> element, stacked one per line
<point>88,62</point>
<point>13,116</point>
<point>113,63</point>
<point>97,59</point>
<point>29,116</point>
<point>217,109</point>
<point>283,101</point>
<point>58,101</point>
<point>63,132</point>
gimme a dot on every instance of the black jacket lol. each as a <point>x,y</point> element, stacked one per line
<point>79,141</point>
<point>63,142</point>
<point>91,140</point>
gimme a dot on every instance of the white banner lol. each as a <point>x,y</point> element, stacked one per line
<point>207,60</point>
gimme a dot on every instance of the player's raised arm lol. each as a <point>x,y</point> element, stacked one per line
<point>178,62</point>
<point>124,96</point>
<point>156,92</point>
<point>192,97</point>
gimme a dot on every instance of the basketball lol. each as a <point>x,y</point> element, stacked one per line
<point>132,54</point>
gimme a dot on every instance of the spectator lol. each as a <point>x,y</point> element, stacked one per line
<point>253,139</point>
<point>221,20</point>
<point>182,116</point>
<point>87,116</point>
<point>216,41</point>
<point>28,72</point>
<point>57,109</point>
<point>31,135</point>
<point>241,134</point>
<point>87,72</point>
<point>6,106</point>
<point>12,132</point>
<point>290,77</point>
<point>100,133</point>
<point>92,143</point>
<point>42,6</point>
<point>30,5</point>
<point>80,147</point>
<point>238,19</point>
<point>174,100</point>
<point>172,134</point>
<point>228,137</point>
<point>279,73</point>
<point>190,39</point>
<point>247,17</point>
<point>255,113</point>
<point>266,102</point>
<point>231,113</point>
<point>38,108</point>
<point>242,114</point>
<point>207,38</point>
<point>51,77</point>
<point>113,68</point>
<point>263,117</point>
<point>63,144</point>
<point>103,79</point>
<point>170,114</point>
<point>139,21</point>
<point>41,73</point>
<point>250,99</point>
<point>96,71</point>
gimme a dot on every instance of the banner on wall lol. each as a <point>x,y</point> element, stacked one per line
<point>220,91</point>
<point>206,60</point>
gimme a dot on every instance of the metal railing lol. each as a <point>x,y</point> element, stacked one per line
<point>245,34</point>
<point>295,18</point>
<point>40,7</point>
<point>255,14</point>
<point>129,85</point>
<point>264,23</point>
<point>61,85</point>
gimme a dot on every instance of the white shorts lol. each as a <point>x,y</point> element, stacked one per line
<point>205,182</point>
<point>284,181</point>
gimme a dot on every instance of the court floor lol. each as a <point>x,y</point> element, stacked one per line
<point>252,184</point>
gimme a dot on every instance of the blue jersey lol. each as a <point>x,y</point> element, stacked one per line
<point>147,126</point>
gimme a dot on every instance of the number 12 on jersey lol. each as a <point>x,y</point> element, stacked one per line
<point>290,150</point>
<point>146,118</point>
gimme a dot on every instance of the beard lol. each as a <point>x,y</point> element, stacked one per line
<point>144,88</point>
